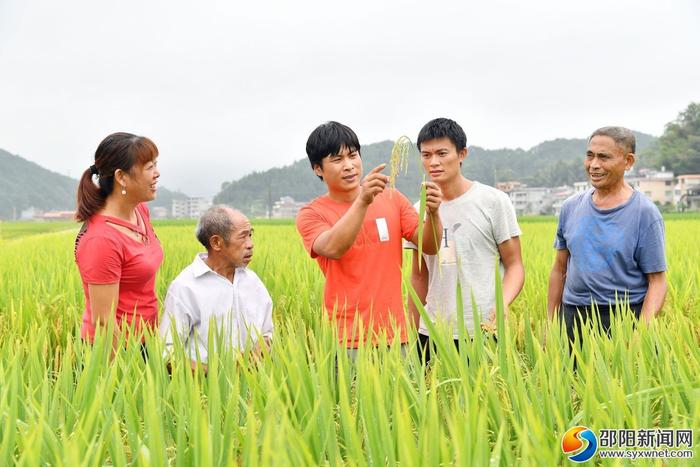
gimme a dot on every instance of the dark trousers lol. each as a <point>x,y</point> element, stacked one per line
<point>576,317</point>
<point>424,346</point>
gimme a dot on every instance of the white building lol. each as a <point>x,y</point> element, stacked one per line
<point>686,193</point>
<point>580,187</point>
<point>656,185</point>
<point>530,201</point>
<point>30,213</point>
<point>558,195</point>
<point>286,208</point>
<point>159,212</point>
<point>190,208</point>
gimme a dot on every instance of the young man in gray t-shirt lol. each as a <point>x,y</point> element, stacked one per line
<point>479,226</point>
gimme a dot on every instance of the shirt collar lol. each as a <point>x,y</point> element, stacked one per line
<point>199,267</point>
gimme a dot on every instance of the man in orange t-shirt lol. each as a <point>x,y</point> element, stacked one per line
<point>355,232</point>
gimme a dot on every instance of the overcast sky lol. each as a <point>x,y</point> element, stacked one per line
<point>225,88</point>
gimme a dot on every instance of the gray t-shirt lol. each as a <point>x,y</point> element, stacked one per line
<point>474,224</point>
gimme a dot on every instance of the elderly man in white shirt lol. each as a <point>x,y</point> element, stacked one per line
<point>218,290</point>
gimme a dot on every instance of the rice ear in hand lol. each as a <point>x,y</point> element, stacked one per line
<point>421,221</point>
<point>399,159</point>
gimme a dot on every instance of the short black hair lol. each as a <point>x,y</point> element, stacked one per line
<point>443,128</point>
<point>329,138</point>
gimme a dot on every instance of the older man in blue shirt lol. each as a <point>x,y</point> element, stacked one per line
<point>610,242</point>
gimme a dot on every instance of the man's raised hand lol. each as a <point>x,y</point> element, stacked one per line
<point>373,184</point>
<point>433,197</point>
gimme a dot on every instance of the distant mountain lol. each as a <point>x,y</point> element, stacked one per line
<point>24,184</point>
<point>551,163</point>
<point>255,192</point>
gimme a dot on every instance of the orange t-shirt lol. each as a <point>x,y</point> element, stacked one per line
<point>365,283</point>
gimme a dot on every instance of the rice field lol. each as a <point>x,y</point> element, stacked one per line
<point>11,230</point>
<point>62,403</point>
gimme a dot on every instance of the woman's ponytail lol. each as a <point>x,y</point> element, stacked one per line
<point>90,197</point>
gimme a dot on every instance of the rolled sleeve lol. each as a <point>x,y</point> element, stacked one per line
<point>177,316</point>
<point>310,224</point>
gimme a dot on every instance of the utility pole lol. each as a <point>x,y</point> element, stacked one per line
<point>269,199</point>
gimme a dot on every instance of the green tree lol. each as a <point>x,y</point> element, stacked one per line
<point>678,149</point>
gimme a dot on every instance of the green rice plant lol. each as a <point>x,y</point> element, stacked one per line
<point>504,403</point>
<point>398,161</point>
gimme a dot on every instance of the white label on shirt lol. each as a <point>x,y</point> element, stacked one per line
<point>382,229</point>
<point>447,253</point>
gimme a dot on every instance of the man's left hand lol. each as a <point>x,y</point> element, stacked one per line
<point>490,324</point>
<point>433,197</point>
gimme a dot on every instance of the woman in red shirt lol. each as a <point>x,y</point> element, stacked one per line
<point>117,251</point>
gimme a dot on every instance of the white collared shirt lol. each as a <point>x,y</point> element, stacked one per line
<point>198,297</point>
